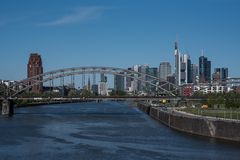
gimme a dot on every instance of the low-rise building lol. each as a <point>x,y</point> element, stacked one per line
<point>188,90</point>
<point>232,84</point>
<point>208,88</point>
<point>7,82</point>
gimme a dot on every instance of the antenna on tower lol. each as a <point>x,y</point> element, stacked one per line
<point>202,52</point>
<point>176,42</point>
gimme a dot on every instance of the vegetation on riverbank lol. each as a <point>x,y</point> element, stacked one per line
<point>218,113</point>
<point>222,105</point>
<point>225,100</point>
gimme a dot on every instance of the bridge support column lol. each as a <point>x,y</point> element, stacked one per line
<point>7,108</point>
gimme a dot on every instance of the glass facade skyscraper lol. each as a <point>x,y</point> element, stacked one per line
<point>204,70</point>
<point>164,70</point>
<point>153,72</point>
<point>223,73</point>
<point>119,82</point>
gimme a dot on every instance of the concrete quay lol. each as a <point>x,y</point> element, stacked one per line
<point>224,129</point>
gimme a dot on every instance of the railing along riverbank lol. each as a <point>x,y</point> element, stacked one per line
<point>219,128</point>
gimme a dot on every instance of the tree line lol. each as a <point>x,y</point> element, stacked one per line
<point>227,100</point>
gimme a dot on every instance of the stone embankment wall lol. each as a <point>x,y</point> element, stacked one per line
<point>199,125</point>
<point>144,107</point>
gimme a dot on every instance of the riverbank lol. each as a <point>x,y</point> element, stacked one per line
<point>219,128</point>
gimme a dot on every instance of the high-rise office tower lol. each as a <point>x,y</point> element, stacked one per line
<point>95,89</point>
<point>216,77</point>
<point>129,80</point>
<point>134,82</point>
<point>119,82</point>
<point>144,70</point>
<point>204,70</point>
<point>102,88</point>
<point>208,72</point>
<point>35,68</point>
<point>182,67</point>
<point>222,73</point>
<point>152,72</point>
<point>89,84</point>
<point>186,69</point>
<point>194,73</point>
<point>103,78</point>
<point>177,64</point>
<point>164,70</point>
<point>189,71</point>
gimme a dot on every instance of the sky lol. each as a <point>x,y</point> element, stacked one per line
<point>117,33</point>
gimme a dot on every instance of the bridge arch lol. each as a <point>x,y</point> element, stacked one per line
<point>25,84</point>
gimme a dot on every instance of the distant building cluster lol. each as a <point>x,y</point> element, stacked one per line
<point>7,82</point>
<point>192,78</point>
<point>198,78</point>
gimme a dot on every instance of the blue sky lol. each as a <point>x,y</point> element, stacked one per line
<point>71,33</point>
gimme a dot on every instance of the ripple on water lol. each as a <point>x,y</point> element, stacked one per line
<point>100,131</point>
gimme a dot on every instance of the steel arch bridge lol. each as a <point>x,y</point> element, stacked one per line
<point>23,85</point>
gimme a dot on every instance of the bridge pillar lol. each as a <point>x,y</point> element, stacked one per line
<point>7,108</point>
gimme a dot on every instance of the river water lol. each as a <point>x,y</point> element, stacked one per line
<point>106,130</point>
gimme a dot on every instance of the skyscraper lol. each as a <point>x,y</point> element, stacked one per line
<point>129,80</point>
<point>204,70</point>
<point>134,82</point>
<point>119,82</point>
<point>164,70</point>
<point>182,67</point>
<point>35,68</point>
<point>194,73</point>
<point>152,72</point>
<point>103,78</point>
<point>189,71</point>
<point>222,73</point>
<point>177,65</point>
<point>102,88</point>
<point>208,72</point>
<point>89,84</point>
<point>95,89</point>
<point>144,70</point>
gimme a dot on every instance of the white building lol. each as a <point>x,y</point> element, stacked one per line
<point>205,88</point>
<point>232,83</point>
<point>103,89</point>
<point>182,67</point>
<point>134,82</point>
<point>7,82</point>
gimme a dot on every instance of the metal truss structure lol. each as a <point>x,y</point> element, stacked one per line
<point>161,85</point>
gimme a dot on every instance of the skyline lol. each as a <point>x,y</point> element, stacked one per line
<point>117,34</point>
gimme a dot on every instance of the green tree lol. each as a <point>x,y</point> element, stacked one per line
<point>86,93</point>
<point>73,93</point>
<point>118,93</point>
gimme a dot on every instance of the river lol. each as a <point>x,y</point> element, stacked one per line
<point>106,130</point>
